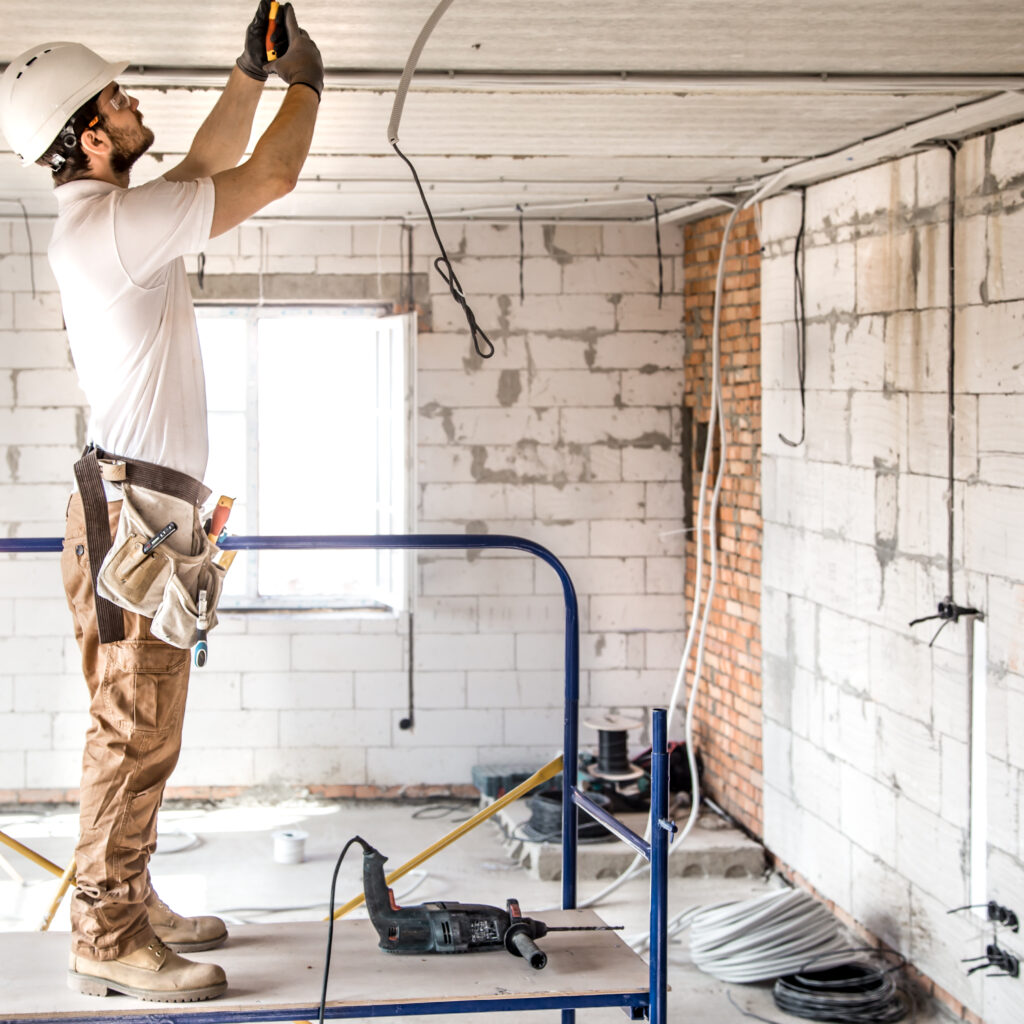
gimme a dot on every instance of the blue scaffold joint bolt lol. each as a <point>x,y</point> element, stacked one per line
<point>670,827</point>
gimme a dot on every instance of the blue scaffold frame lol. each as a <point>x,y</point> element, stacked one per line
<point>651,1005</point>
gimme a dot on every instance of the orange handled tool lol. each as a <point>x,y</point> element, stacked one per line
<point>271,25</point>
<point>219,517</point>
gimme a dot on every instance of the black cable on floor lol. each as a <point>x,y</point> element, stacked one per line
<point>444,267</point>
<point>856,992</point>
<point>432,812</point>
<point>330,919</point>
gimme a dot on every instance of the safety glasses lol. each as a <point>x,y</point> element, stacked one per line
<point>120,99</point>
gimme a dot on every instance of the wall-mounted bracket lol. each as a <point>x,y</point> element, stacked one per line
<point>1007,963</point>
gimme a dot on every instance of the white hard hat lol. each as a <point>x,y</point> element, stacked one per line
<point>41,90</point>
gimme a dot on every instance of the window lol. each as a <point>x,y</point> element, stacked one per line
<point>310,414</point>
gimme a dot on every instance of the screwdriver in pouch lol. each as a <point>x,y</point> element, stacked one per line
<point>201,651</point>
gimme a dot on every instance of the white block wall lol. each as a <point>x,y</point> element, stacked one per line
<point>867,727</point>
<point>568,435</point>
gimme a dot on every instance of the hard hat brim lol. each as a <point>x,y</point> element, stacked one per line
<point>51,127</point>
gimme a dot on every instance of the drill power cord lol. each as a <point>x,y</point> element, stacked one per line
<point>549,771</point>
<point>330,918</point>
<point>442,264</point>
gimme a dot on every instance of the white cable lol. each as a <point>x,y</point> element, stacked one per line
<point>410,68</point>
<point>764,937</point>
<point>679,922</point>
<point>639,865</point>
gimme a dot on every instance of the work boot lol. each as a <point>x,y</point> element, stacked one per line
<point>184,934</point>
<point>153,972</point>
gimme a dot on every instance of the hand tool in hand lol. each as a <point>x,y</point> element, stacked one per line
<point>452,927</point>
<point>254,51</point>
<point>300,62</point>
<point>271,25</point>
<point>156,541</point>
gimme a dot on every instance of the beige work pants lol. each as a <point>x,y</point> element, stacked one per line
<point>137,690</point>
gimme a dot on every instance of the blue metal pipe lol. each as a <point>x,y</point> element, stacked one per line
<point>434,541</point>
<point>171,1014</point>
<point>610,822</point>
<point>31,544</point>
<point>661,829</point>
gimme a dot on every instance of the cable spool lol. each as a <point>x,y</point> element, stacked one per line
<point>612,754</point>
<point>853,992</point>
<point>545,824</point>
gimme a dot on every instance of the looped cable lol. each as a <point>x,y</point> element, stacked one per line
<point>442,264</point>
<point>444,267</point>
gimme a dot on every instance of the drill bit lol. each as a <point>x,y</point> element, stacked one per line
<point>586,928</point>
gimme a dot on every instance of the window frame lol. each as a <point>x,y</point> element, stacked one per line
<point>401,381</point>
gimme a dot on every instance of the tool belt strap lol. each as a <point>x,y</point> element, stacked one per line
<point>91,470</point>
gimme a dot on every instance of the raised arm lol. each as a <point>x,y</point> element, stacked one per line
<point>223,136</point>
<point>273,169</point>
<point>221,141</point>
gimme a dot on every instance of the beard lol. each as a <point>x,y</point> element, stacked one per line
<point>127,146</point>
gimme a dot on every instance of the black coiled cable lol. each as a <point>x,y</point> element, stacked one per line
<point>444,267</point>
<point>545,824</point>
<point>856,992</point>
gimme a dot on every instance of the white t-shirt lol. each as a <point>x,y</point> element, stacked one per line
<point>117,256</point>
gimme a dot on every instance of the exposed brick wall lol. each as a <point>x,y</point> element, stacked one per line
<point>728,721</point>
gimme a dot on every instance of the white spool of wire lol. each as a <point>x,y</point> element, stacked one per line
<point>764,937</point>
<point>290,846</point>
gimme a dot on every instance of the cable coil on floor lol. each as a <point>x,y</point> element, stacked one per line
<point>763,938</point>
<point>855,992</point>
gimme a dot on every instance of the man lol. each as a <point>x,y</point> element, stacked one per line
<point>117,255</point>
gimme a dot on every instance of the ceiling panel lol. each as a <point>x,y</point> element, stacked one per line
<point>564,150</point>
<point>788,35</point>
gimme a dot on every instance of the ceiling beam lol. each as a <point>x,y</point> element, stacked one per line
<point>952,125</point>
<point>663,81</point>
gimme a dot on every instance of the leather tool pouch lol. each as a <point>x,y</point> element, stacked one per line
<point>165,583</point>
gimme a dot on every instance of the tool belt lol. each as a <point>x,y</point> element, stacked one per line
<point>162,582</point>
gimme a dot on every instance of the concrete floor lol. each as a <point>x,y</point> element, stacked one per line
<point>221,860</point>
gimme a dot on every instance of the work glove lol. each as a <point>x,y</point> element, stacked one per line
<point>301,63</point>
<point>254,56</point>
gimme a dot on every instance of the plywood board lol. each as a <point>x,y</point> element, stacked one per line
<point>280,968</point>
